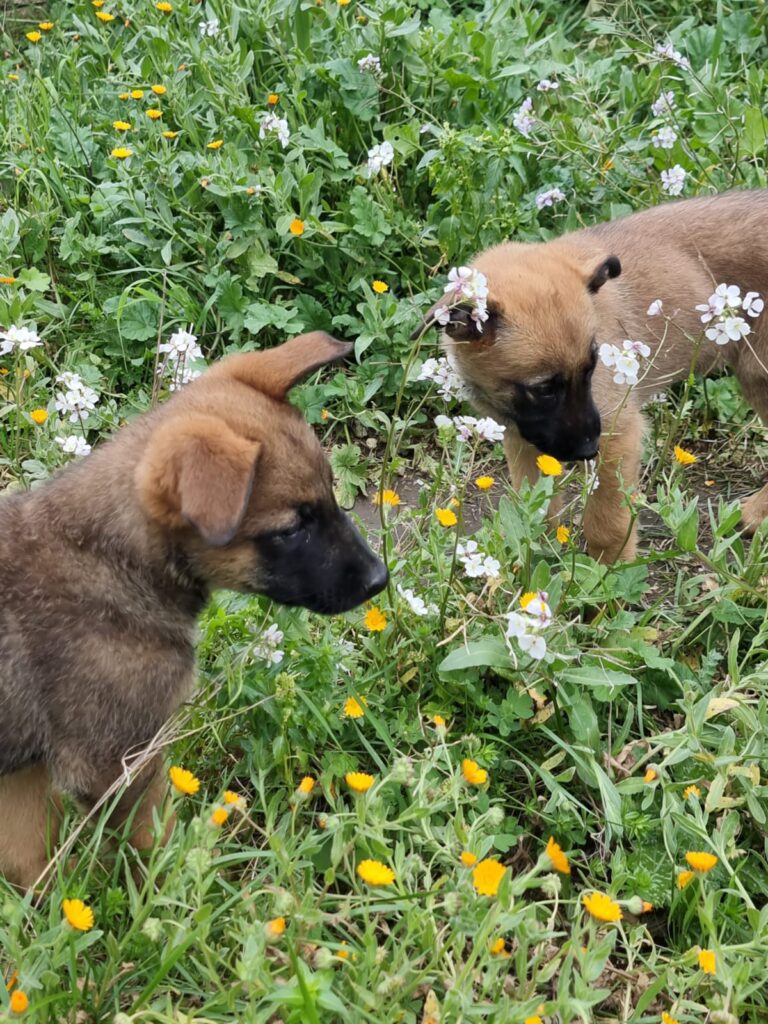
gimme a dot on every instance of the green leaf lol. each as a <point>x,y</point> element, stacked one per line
<point>489,652</point>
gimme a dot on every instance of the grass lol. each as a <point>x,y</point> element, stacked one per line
<point>655,676</point>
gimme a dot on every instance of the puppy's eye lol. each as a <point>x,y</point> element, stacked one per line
<point>291,531</point>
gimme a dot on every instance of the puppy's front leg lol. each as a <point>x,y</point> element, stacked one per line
<point>521,460</point>
<point>29,824</point>
<point>609,524</point>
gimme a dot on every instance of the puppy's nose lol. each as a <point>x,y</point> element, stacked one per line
<point>587,450</point>
<point>376,579</point>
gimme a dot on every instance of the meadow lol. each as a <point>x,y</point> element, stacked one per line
<point>418,812</point>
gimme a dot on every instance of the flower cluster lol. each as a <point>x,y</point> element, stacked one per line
<point>524,628</point>
<point>465,284</point>
<point>208,28</point>
<point>74,445</point>
<point>77,399</point>
<point>278,125</point>
<point>667,52</point>
<point>673,180</point>
<point>442,372</point>
<point>467,427</point>
<point>522,119</point>
<point>21,338</point>
<point>663,105</point>
<point>664,137</point>
<point>475,562</point>
<point>550,197</point>
<point>417,604</point>
<point>721,312</point>
<point>545,85</point>
<point>370,63</point>
<point>268,646</point>
<point>625,361</point>
<point>379,157</point>
<point>180,351</point>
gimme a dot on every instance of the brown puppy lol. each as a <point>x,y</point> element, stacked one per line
<point>104,570</point>
<point>535,365</point>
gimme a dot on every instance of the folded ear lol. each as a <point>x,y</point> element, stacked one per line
<point>275,371</point>
<point>609,268</point>
<point>197,471</point>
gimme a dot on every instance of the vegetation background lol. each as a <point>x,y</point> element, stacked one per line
<point>643,733</point>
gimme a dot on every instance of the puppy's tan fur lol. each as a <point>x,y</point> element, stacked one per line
<point>545,320</point>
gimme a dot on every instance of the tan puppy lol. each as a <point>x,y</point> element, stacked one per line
<point>104,570</point>
<point>535,365</point>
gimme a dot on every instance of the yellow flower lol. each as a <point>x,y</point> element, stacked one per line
<point>487,877</point>
<point>105,16</point>
<point>499,947</point>
<point>296,227</point>
<point>549,465</point>
<point>647,907</point>
<point>683,878</point>
<point>170,135</point>
<point>159,90</point>
<point>473,773</point>
<point>164,6</point>
<point>526,599</point>
<point>650,776</point>
<point>184,781</point>
<point>34,37</point>
<point>219,816</point>
<point>361,782</point>
<point>78,915</point>
<point>468,859</point>
<point>701,862</point>
<point>154,114</point>
<point>123,95</point>
<point>535,1019</point>
<point>275,928</point>
<point>375,620</point>
<point>373,872</point>
<point>306,785</point>
<point>46,26</point>
<point>380,287</point>
<point>683,457</point>
<point>19,1001</point>
<point>216,144</point>
<point>559,860</point>
<point>563,534</point>
<point>354,708</point>
<point>13,78</point>
<point>667,1018</point>
<point>325,414</point>
<point>121,126</point>
<point>438,721</point>
<point>97,3</point>
<point>7,279</point>
<point>602,907</point>
<point>273,99</point>
<point>485,483</point>
<point>121,152</point>
<point>137,94</point>
<point>391,498</point>
<point>708,961</point>
<point>231,797</point>
<point>39,416</point>
<point>445,517</point>
<point>691,791</point>
<point>342,3</point>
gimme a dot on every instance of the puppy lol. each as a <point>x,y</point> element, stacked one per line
<point>535,367</point>
<point>105,569</point>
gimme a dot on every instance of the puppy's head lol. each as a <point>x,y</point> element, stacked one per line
<point>241,484</point>
<point>531,366</point>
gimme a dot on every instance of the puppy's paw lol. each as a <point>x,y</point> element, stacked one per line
<point>754,510</point>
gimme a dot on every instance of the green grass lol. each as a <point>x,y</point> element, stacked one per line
<point>659,664</point>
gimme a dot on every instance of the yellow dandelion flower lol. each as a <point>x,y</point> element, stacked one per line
<point>34,37</point>
<point>121,152</point>
<point>251,191</point>
<point>487,876</point>
<point>602,907</point>
<point>78,915</point>
<point>273,99</point>
<point>683,878</point>
<point>216,144</point>
<point>647,907</point>
<point>296,227</point>
<point>683,457</point>
<point>691,791</point>
<point>325,414</point>
<point>354,708</point>
<point>13,78</point>
<point>19,1001</point>
<point>387,497</point>
<point>97,3</point>
<point>454,503</point>
<point>306,785</point>
<point>45,26</point>
<point>563,534</point>
<point>154,114</point>
<point>559,860</point>
<point>105,16</point>
<point>184,781</point>
<point>121,126</point>
<point>468,859</point>
<point>159,90</point>
<point>137,94</point>
<point>526,599</point>
<point>380,287</point>
<point>535,1019</point>
<point>375,620</point>
<point>373,872</point>
<point>549,465</point>
<point>445,517</point>
<point>360,782</point>
<point>343,954</point>
<point>343,3</point>
<point>7,279</point>
<point>667,1018</point>
<point>39,416</point>
<point>219,816</point>
<point>123,95</point>
<point>274,929</point>
<point>485,483</point>
<point>650,776</point>
<point>164,6</point>
<point>499,947</point>
<point>708,961</point>
<point>700,861</point>
<point>170,135</point>
<point>473,773</point>
<point>438,721</point>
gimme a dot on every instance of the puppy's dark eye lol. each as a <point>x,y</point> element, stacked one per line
<point>291,531</point>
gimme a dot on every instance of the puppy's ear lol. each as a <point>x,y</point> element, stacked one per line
<point>276,370</point>
<point>197,471</point>
<point>609,268</point>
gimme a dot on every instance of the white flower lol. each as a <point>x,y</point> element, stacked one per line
<point>443,422</point>
<point>466,283</point>
<point>278,125</point>
<point>534,645</point>
<point>181,345</point>
<point>77,399</point>
<point>74,445</point>
<point>417,605</point>
<point>443,373</point>
<point>489,430</point>
<point>730,328</point>
<point>523,630</point>
<point>550,197</point>
<point>22,337</point>
<point>492,566</point>
<point>730,294</point>
<point>208,28</point>
<point>475,562</point>
<point>713,307</point>
<point>667,51</point>
<point>664,138</point>
<point>624,361</point>
<point>545,85</point>
<point>182,374</point>
<point>637,348</point>
<point>269,646</point>
<point>538,609</point>
<point>673,181</point>
<point>752,304</point>
<point>465,426</point>
<point>379,157</point>
<point>663,104</point>
<point>370,63</point>
<point>592,480</point>
<point>655,307</point>
<point>517,625</point>
<point>522,119</point>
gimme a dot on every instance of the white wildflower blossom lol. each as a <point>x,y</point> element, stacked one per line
<point>475,562</point>
<point>730,295</point>
<point>465,284</point>
<point>721,311</point>
<point>522,119</point>
<point>442,372</point>
<point>752,304</point>
<point>625,361</point>
<point>208,28</point>
<point>379,157</point>
<point>74,445</point>
<point>546,85</point>
<point>278,126</point>
<point>523,630</point>
<point>370,63</point>
<point>673,180</point>
<point>489,430</point>
<point>539,609</point>
<point>550,197</point>
<point>268,646</point>
<point>465,426</point>
<point>77,399</point>
<point>180,351</point>
<point>417,604</point>
<point>664,104</point>
<point>664,138</point>
<point>21,338</point>
<point>655,307</point>
<point>728,328</point>
<point>668,52</point>
<point>443,422</point>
